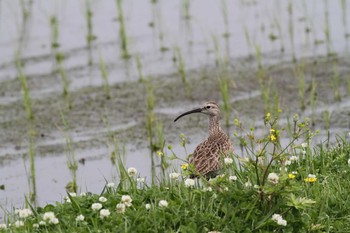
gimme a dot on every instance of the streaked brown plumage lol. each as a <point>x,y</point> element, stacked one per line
<point>208,154</point>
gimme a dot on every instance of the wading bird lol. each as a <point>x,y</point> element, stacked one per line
<point>208,155</point>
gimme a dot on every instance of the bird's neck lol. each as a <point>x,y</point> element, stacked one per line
<point>214,125</point>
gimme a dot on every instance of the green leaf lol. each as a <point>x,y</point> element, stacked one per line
<point>300,202</point>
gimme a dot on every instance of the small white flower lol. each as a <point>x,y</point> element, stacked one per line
<point>73,194</point>
<point>54,221</point>
<point>189,182</point>
<point>228,161</point>
<point>140,180</point>
<point>48,216</point>
<point>42,223</point>
<point>311,176</point>
<point>303,152</point>
<point>256,186</point>
<point>120,208</point>
<point>287,162</point>
<point>349,162</point>
<point>3,226</point>
<point>83,194</point>
<point>207,189</point>
<point>247,184</point>
<point>24,213</point>
<point>19,223</point>
<point>282,222</point>
<point>174,176</point>
<point>126,199</point>
<point>275,217</point>
<point>148,206</point>
<point>102,199</point>
<point>80,218</point>
<point>293,158</point>
<point>35,225</point>
<point>225,188</point>
<point>163,203</point>
<point>273,178</point>
<point>111,185</point>
<point>96,206</point>
<point>233,178</point>
<point>104,213</point>
<point>132,171</point>
<point>304,145</point>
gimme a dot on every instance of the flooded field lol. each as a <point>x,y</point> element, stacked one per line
<point>82,82</point>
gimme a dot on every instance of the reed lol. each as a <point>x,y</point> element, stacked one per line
<point>65,80</point>
<point>72,163</point>
<point>182,70</point>
<point>54,33</point>
<point>291,28</point>
<point>186,7</point>
<point>280,33</point>
<point>33,192</point>
<point>326,116</point>
<point>326,28</point>
<point>104,75</point>
<point>313,96</point>
<point>299,72</point>
<point>139,67</point>
<point>224,10</point>
<point>122,30</point>
<point>24,86</point>
<point>335,81</point>
<point>345,17</point>
<point>90,37</point>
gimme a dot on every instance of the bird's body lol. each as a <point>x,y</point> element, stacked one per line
<point>207,157</point>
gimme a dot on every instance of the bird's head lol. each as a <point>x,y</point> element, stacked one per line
<point>209,108</point>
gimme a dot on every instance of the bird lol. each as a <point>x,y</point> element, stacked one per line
<point>208,155</point>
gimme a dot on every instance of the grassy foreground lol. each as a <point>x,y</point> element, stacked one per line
<point>273,188</point>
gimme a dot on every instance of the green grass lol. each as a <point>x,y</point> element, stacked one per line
<point>122,30</point>
<point>308,188</point>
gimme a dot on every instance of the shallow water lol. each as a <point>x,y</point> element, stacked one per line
<point>196,39</point>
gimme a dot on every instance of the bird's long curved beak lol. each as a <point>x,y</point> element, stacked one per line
<point>189,112</point>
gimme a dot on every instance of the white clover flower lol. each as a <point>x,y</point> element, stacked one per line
<point>174,175</point>
<point>35,225</point>
<point>54,221</point>
<point>48,216</point>
<point>120,208</point>
<point>311,176</point>
<point>163,203</point>
<point>304,145</point>
<point>233,178</point>
<point>104,213</point>
<point>140,180</point>
<point>24,213</point>
<point>3,226</point>
<point>42,223</point>
<point>225,188</point>
<point>189,182</point>
<point>126,199</point>
<point>273,178</point>
<point>279,219</point>
<point>102,199</point>
<point>228,161</point>
<point>73,194</point>
<point>275,217</point>
<point>148,206</point>
<point>132,171</point>
<point>287,162</point>
<point>96,206</point>
<point>247,184</point>
<point>19,223</point>
<point>80,218</point>
<point>83,194</point>
<point>282,222</point>
<point>293,158</point>
<point>111,185</point>
<point>207,189</point>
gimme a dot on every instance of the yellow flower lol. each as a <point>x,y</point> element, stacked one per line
<point>311,179</point>
<point>160,153</point>
<point>291,176</point>
<point>272,137</point>
<point>184,166</point>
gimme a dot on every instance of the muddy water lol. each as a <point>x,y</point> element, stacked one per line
<point>153,32</point>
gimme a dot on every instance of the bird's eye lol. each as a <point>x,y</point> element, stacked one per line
<point>208,107</point>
